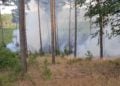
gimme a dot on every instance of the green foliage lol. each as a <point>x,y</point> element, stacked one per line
<point>62,54</point>
<point>8,78</point>
<point>58,52</point>
<point>80,2</point>
<point>66,51</point>
<point>8,33</point>
<point>10,67</point>
<point>47,74</point>
<point>2,45</point>
<point>89,56</point>
<point>6,81</point>
<point>106,10</point>
<point>7,21</point>
<point>9,60</point>
<point>32,59</point>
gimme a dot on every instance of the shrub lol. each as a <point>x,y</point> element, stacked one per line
<point>32,59</point>
<point>46,71</point>
<point>9,60</point>
<point>57,52</point>
<point>66,51</point>
<point>89,55</point>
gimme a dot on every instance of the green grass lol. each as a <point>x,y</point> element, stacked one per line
<point>8,33</point>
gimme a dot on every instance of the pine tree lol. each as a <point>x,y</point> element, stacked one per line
<point>102,10</point>
<point>75,45</point>
<point>77,3</point>
<point>53,27</point>
<point>23,39</point>
<point>69,40</point>
<point>39,22</point>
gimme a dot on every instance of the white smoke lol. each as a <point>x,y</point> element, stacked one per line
<point>84,44</point>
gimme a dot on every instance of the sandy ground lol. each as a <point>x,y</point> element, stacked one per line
<point>73,72</point>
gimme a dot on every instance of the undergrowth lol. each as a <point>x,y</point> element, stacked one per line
<point>47,74</point>
<point>10,67</point>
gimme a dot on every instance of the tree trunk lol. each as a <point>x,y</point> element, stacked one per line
<point>101,30</point>
<point>75,45</point>
<point>23,39</point>
<point>53,27</point>
<point>101,37</point>
<point>55,35</point>
<point>39,22</point>
<point>69,28</point>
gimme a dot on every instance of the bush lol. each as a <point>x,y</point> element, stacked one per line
<point>57,52</point>
<point>9,60</point>
<point>46,71</point>
<point>89,55</point>
<point>32,59</point>
<point>66,51</point>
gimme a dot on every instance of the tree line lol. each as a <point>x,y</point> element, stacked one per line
<point>105,12</point>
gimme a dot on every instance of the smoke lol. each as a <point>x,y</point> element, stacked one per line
<point>84,43</point>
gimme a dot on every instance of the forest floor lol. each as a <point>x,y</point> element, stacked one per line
<point>71,72</point>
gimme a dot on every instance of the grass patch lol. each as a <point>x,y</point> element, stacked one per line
<point>74,61</point>
<point>47,74</point>
<point>32,59</point>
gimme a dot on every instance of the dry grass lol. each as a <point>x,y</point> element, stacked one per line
<point>73,72</point>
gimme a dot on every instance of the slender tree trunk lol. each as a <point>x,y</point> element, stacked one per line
<point>23,39</point>
<point>55,34</point>
<point>69,28</point>
<point>1,27</point>
<point>101,31</point>
<point>39,22</point>
<point>53,27</point>
<point>101,37</point>
<point>75,45</point>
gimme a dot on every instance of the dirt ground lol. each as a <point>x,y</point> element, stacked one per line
<point>72,72</point>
